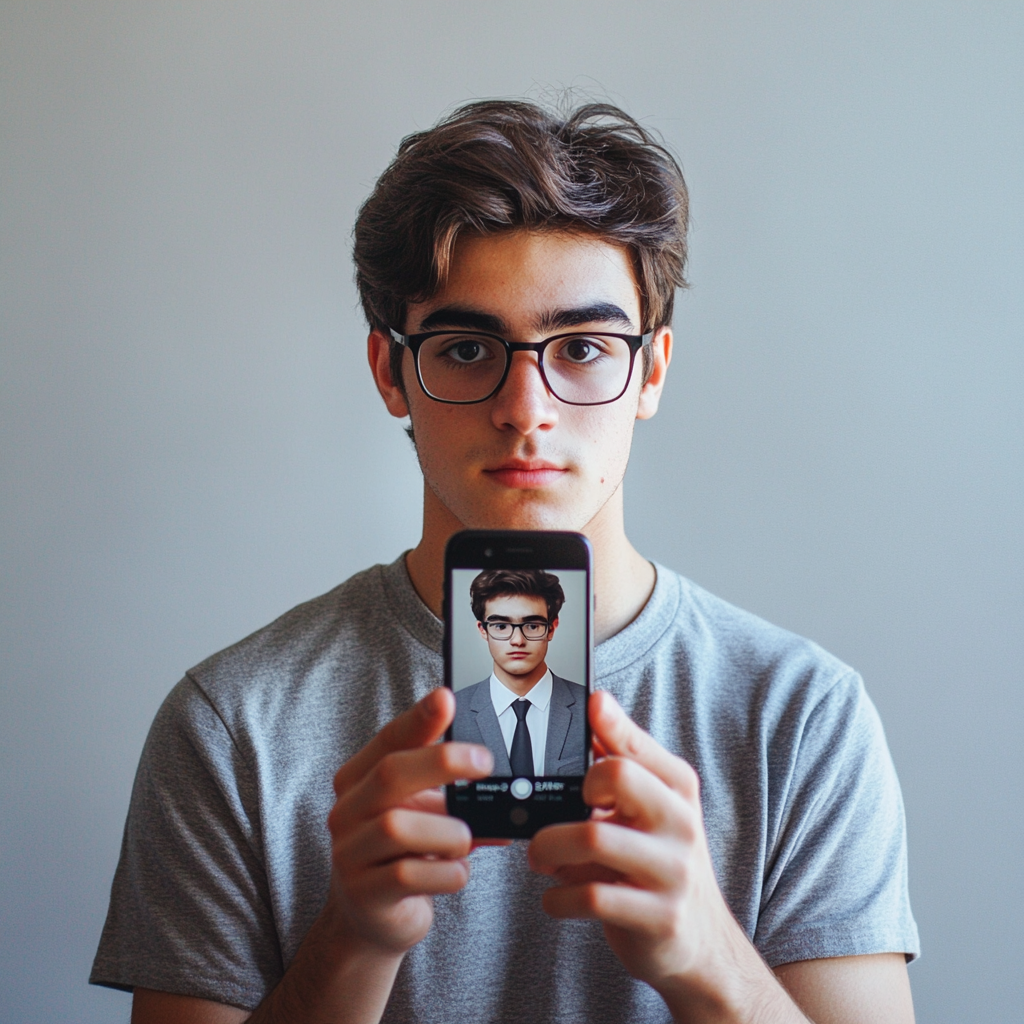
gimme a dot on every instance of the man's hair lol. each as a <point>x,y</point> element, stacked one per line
<point>498,165</point>
<point>504,582</point>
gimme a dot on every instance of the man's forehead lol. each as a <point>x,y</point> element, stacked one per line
<point>505,600</point>
<point>539,280</point>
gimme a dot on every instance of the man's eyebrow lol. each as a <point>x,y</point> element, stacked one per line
<point>596,313</point>
<point>506,618</point>
<point>466,319</point>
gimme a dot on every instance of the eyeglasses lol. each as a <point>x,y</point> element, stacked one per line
<point>534,630</point>
<point>465,367</point>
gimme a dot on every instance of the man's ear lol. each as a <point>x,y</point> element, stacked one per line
<point>378,353</point>
<point>483,631</point>
<point>552,628</point>
<point>650,393</point>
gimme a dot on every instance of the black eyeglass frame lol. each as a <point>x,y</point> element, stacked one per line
<point>487,623</point>
<point>414,342</point>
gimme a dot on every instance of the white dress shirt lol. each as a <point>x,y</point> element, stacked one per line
<point>536,717</point>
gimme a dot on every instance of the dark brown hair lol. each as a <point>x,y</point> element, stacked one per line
<point>498,165</point>
<point>500,582</point>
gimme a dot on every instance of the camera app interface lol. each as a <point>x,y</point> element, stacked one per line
<point>519,664</point>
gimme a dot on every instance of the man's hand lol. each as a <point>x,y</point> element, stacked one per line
<point>393,845</point>
<point>393,848</point>
<point>642,867</point>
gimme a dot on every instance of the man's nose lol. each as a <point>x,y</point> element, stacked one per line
<point>524,402</point>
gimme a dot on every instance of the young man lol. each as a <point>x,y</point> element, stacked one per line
<point>774,887</point>
<point>531,720</point>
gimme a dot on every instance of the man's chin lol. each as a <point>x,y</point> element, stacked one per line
<point>529,511</point>
<point>517,671</point>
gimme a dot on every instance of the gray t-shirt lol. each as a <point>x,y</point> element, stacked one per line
<point>225,860</point>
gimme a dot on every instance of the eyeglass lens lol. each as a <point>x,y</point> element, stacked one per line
<point>583,369</point>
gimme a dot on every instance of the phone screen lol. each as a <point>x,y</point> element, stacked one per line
<point>519,663</point>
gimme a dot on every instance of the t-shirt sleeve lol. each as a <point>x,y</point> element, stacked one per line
<point>190,911</point>
<point>836,874</point>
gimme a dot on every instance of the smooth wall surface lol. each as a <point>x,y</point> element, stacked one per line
<point>191,442</point>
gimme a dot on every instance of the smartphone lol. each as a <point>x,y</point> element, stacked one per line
<point>517,654</point>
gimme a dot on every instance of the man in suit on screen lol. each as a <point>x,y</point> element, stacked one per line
<point>531,719</point>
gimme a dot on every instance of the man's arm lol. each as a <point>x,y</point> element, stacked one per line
<point>641,865</point>
<point>393,849</point>
<point>851,989</point>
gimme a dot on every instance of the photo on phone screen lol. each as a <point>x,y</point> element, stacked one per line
<point>518,665</point>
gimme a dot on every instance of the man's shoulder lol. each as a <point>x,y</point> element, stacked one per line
<point>366,631</point>
<point>465,695</point>
<point>577,690</point>
<point>720,652</point>
<point>302,631</point>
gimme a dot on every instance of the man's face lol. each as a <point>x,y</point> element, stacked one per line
<point>523,459</point>
<point>517,655</point>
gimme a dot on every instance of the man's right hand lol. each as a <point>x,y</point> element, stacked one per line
<point>393,848</point>
<point>393,845</point>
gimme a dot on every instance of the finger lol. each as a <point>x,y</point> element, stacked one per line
<point>619,905</point>
<point>644,860</point>
<point>424,723</point>
<point>402,774</point>
<point>577,874</point>
<point>413,876</point>
<point>618,734</point>
<point>638,798</point>
<point>401,833</point>
<point>430,800</point>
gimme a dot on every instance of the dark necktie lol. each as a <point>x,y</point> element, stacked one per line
<point>521,757</point>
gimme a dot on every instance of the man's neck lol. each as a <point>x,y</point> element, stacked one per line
<point>623,578</point>
<point>520,685</point>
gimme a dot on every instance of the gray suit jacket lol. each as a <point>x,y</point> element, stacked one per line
<point>565,753</point>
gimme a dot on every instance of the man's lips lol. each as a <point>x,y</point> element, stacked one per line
<point>523,475</point>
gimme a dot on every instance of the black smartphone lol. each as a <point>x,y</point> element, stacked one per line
<point>517,654</point>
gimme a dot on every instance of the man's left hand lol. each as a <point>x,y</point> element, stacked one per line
<point>642,867</point>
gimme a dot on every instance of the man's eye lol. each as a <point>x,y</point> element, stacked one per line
<point>580,350</point>
<point>467,351</point>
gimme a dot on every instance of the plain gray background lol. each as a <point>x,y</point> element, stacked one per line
<point>566,655</point>
<point>192,443</point>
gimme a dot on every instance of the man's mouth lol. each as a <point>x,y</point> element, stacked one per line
<point>526,474</point>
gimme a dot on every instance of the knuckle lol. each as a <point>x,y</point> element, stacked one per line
<point>334,821</point>
<point>663,922</point>
<point>689,778</point>
<point>391,824</point>
<point>403,872</point>
<point>616,772</point>
<point>687,823</point>
<point>592,899</point>
<point>592,837</point>
<point>387,772</point>
<point>679,865</point>
<point>450,757</point>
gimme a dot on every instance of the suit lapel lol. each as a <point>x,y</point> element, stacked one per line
<point>490,730</point>
<point>563,704</point>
